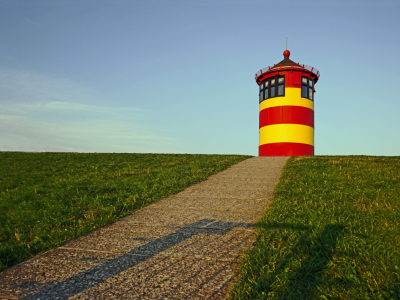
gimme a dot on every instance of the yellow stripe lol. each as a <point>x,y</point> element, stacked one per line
<point>292,97</point>
<point>287,133</point>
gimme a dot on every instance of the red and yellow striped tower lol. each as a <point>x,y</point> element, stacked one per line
<point>287,108</point>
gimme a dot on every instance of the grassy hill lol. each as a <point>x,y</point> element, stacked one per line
<point>47,199</point>
<point>331,232</point>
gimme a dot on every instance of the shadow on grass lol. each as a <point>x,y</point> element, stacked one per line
<point>317,253</point>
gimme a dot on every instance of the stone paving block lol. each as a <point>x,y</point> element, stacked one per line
<point>255,169</point>
<point>223,185</point>
<point>190,278</point>
<point>256,162</point>
<point>209,203</point>
<point>119,237</point>
<point>219,191</point>
<point>181,217</point>
<point>243,173</point>
<point>246,169</point>
<point>210,290</point>
<point>47,269</point>
<point>163,278</point>
<point>233,180</point>
<point>197,242</point>
<point>210,247</point>
<point>271,162</point>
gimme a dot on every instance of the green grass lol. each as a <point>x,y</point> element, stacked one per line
<point>331,232</point>
<point>47,199</point>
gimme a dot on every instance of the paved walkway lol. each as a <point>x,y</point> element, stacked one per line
<point>182,247</point>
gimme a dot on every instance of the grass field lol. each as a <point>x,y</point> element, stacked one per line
<point>47,199</point>
<point>331,232</point>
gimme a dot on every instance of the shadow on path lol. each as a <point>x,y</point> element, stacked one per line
<point>112,267</point>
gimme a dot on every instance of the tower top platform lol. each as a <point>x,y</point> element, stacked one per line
<point>286,65</point>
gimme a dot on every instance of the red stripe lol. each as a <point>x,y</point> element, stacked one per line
<point>285,149</point>
<point>292,78</point>
<point>287,115</point>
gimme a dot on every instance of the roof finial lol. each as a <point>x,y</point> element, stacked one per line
<point>286,53</point>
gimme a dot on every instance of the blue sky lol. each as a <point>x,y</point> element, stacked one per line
<point>178,76</point>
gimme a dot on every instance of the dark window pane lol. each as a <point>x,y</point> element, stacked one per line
<point>304,80</point>
<point>280,80</point>
<point>310,93</point>
<point>310,83</point>
<point>272,91</point>
<point>261,97</point>
<point>303,91</point>
<point>280,90</point>
<point>261,86</point>
<point>266,94</point>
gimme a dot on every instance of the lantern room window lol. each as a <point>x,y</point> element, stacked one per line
<point>272,87</point>
<point>307,85</point>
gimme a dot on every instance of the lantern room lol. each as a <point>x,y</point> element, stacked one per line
<point>286,98</point>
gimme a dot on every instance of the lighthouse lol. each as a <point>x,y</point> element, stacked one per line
<point>286,99</point>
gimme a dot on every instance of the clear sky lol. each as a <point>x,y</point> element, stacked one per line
<point>177,76</point>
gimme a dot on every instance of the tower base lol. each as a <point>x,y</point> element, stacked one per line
<point>285,149</point>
